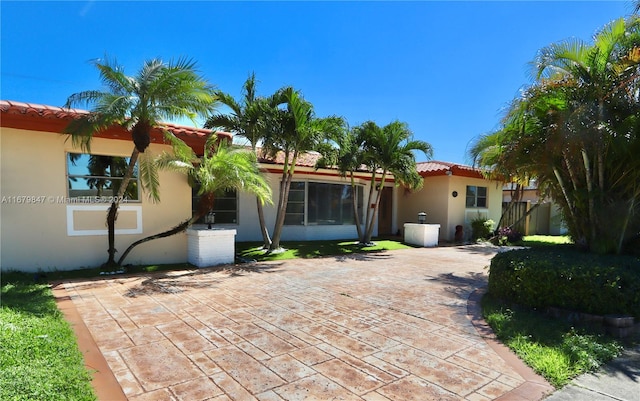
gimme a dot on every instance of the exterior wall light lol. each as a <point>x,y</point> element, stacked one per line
<point>210,218</point>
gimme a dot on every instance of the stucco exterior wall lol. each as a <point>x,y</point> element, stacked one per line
<point>431,199</point>
<point>36,219</point>
<point>437,200</point>
<point>248,227</point>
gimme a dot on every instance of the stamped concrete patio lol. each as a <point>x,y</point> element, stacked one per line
<point>399,325</point>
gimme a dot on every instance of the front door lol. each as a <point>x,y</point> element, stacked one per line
<point>385,211</point>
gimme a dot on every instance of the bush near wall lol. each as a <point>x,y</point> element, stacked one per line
<point>569,279</point>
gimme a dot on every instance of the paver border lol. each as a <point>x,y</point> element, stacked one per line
<point>535,386</point>
<point>104,383</point>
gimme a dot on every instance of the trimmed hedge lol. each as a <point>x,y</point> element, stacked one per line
<point>569,279</point>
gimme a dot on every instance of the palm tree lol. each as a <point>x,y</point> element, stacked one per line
<point>292,131</point>
<point>388,150</point>
<point>575,130</point>
<point>246,119</point>
<point>223,167</point>
<point>159,91</point>
<point>345,151</point>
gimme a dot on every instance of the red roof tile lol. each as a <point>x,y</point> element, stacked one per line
<point>434,168</point>
<point>40,117</point>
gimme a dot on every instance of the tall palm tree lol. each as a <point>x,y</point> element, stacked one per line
<point>576,131</point>
<point>345,151</point>
<point>223,167</point>
<point>246,119</point>
<point>389,150</point>
<point>291,131</point>
<point>159,91</point>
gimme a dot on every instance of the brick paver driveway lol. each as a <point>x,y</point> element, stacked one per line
<point>387,326</point>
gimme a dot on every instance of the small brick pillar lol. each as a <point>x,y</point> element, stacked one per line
<point>210,247</point>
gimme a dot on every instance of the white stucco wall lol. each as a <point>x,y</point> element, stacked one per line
<point>248,227</point>
<point>35,236</point>
<point>437,200</point>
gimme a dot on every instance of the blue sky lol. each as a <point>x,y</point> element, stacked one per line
<point>448,69</point>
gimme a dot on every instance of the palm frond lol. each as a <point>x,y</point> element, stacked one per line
<point>149,176</point>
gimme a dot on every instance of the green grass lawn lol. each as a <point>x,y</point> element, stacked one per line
<point>39,357</point>
<point>313,249</point>
<point>545,240</point>
<point>554,348</point>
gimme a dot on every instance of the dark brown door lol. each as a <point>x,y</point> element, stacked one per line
<point>385,211</point>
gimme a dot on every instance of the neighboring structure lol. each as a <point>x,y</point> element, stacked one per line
<point>452,195</point>
<point>544,219</point>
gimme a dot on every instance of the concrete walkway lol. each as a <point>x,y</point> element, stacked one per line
<point>386,326</point>
<point>617,381</point>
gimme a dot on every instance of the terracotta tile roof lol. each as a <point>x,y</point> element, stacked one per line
<point>308,159</point>
<point>41,117</point>
<point>434,168</point>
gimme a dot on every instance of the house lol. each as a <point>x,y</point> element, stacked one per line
<point>55,197</point>
<point>54,203</point>
<point>452,195</point>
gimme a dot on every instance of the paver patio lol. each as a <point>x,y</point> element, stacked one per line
<point>384,326</point>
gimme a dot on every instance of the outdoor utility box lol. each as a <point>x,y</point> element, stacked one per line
<point>421,234</point>
<point>211,247</point>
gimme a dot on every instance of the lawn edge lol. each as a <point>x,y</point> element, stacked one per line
<point>103,381</point>
<point>535,386</point>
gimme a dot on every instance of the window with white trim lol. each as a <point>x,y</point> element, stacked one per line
<point>315,203</point>
<point>476,196</point>
<point>97,178</point>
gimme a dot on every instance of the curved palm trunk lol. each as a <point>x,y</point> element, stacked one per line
<point>204,206</point>
<point>112,214</point>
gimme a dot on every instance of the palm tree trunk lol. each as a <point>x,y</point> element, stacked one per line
<point>591,202</point>
<point>374,213</point>
<point>263,225</point>
<point>282,211</point>
<point>112,214</point>
<point>204,206</point>
<point>285,185</point>
<point>368,217</point>
<point>354,202</point>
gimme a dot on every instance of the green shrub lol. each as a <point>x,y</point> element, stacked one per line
<point>565,278</point>
<point>481,228</point>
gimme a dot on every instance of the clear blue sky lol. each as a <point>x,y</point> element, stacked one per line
<point>448,69</point>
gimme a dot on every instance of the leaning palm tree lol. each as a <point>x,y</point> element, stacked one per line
<point>388,150</point>
<point>223,167</point>
<point>246,119</point>
<point>158,92</point>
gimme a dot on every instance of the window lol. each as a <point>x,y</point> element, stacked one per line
<point>225,206</point>
<point>93,178</point>
<point>295,204</point>
<point>476,196</point>
<point>321,204</point>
